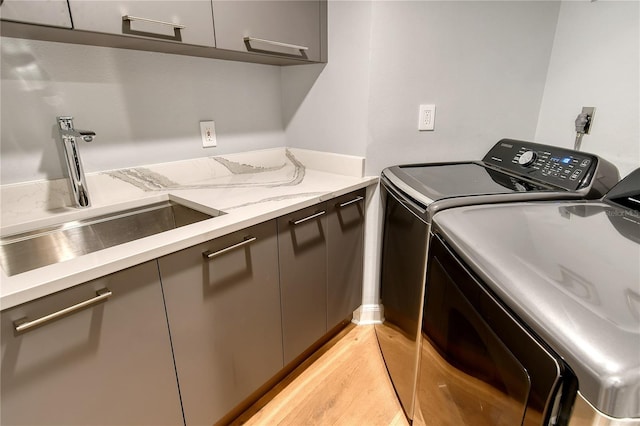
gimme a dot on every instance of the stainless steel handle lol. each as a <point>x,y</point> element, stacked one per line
<point>355,200</point>
<point>23,324</point>
<point>276,43</point>
<point>313,216</point>
<point>137,18</point>
<point>212,254</point>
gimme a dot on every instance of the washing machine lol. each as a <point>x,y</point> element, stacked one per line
<point>511,171</point>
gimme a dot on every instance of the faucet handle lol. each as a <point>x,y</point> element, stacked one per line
<point>65,122</point>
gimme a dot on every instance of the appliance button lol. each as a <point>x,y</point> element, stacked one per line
<point>585,162</point>
<point>527,158</point>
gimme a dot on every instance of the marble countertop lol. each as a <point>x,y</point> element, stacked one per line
<point>249,187</point>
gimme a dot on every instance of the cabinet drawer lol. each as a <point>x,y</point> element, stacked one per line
<point>94,366</point>
<point>275,23</point>
<point>42,12</point>
<point>188,21</point>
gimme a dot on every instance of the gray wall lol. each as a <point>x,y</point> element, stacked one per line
<point>519,69</point>
<point>326,106</point>
<point>145,107</point>
<point>483,64</point>
<point>596,62</point>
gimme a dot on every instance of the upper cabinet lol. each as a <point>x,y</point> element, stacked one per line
<point>282,28</point>
<point>276,32</point>
<point>45,12</point>
<point>190,22</point>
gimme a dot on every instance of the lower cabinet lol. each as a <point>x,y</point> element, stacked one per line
<point>345,253</point>
<point>321,255</point>
<point>234,311</point>
<point>107,364</point>
<point>223,305</point>
<point>302,248</point>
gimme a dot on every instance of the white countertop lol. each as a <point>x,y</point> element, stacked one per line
<point>249,187</point>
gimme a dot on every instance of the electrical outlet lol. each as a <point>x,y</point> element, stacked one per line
<point>427,117</point>
<point>208,133</point>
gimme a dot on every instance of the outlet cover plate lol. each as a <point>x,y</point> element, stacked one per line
<point>208,134</point>
<point>427,117</point>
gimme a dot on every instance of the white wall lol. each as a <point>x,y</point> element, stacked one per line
<point>145,107</point>
<point>595,62</point>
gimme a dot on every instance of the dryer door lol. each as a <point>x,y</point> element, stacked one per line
<point>478,365</point>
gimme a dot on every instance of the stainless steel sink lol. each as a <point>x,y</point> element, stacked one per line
<point>30,250</point>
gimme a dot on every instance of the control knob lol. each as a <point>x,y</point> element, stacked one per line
<point>527,158</point>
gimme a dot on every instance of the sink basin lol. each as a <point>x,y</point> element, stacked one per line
<point>30,250</point>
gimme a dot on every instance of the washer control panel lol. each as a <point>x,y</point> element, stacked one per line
<point>557,166</point>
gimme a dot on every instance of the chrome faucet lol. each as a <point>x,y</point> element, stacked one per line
<point>77,180</point>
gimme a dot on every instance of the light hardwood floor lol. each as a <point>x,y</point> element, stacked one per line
<point>347,385</point>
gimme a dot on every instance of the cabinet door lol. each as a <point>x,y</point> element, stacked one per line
<point>224,317</point>
<point>188,21</point>
<point>43,12</point>
<point>109,364</point>
<point>293,22</point>
<point>303,278</point>
<point>345,256</point>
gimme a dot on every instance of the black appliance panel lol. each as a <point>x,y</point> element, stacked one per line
<point>556,166</point>
<point>494,371</point>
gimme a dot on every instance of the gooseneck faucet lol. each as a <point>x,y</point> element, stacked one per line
<point>77,179</point>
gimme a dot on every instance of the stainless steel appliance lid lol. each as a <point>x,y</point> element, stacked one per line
<point>448,180</point>
<point>512,170</point>
<point>571,272</point>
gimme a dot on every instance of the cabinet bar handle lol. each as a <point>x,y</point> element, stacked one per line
<point>23,324</point>
<point>313,216</point>
<point>212,254</point>
<point>137,18</point>
<point>276,43</point>
<point>355,200</point>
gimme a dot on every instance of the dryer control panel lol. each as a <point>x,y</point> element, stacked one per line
<point>557,166</point>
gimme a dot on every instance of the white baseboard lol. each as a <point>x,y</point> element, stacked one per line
<point>368,314</point>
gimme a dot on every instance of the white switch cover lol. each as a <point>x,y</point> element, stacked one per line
<point>427,117</point>
<point>208,133</point>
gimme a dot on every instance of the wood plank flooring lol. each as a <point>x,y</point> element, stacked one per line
<point>346,385</point>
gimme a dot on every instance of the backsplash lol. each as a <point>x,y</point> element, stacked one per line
<point>145,107</point>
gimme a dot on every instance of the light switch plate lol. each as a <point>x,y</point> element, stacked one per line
<point>208,133</point>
